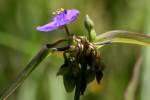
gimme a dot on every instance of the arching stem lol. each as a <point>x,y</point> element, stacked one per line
<point>68,34</point>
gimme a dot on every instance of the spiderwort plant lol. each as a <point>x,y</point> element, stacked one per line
<point>82,59</point>
<point>62,18</point>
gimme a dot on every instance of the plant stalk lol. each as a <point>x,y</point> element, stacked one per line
<point>77,91</point>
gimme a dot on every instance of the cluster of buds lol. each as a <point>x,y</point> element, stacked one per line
<point>82,63</point>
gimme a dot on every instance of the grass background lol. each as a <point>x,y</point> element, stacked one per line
<point>19,42</point>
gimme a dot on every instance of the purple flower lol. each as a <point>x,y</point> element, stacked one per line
<point>62,17</point>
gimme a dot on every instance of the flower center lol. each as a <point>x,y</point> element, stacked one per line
<point>60,16</point>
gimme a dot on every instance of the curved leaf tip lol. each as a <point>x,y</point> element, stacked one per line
<point>120,36</point>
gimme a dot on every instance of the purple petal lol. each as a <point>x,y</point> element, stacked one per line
<point>48,27</point>
<point>66,17</point>
<point>72,15</point>
<point>60,20</point>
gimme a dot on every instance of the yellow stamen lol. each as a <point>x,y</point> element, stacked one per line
<point>58,11</point>
<point>62,9</point>
<point>54,13</point>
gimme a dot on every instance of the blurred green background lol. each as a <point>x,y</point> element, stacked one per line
<point>19,42</point>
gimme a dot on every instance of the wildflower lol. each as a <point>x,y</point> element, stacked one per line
<point>62,17</point>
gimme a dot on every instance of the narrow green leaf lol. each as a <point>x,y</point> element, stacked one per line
<point>43,53</point>
<point>120,36</point>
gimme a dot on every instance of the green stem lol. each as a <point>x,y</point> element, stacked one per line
<point>68,34</point>
<point>77,91</point>
<point>81,82</point>
<point>67,30</point>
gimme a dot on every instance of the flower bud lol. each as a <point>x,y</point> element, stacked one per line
<point>89,24</point>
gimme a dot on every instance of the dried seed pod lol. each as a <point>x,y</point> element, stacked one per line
<point>63,70</point>
<point>82,62</point>
<point>99,76</point>
<point>69,82</point>
<point>90,76</point>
